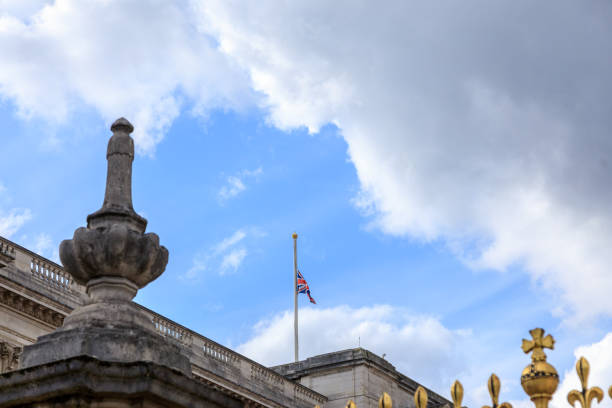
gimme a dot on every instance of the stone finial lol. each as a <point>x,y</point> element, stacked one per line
<point>113,256</point>
<point>117,205</point>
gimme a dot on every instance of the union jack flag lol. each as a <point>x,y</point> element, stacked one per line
<point>302,287</point>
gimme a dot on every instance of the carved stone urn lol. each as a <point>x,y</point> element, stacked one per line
<point>113,257</point>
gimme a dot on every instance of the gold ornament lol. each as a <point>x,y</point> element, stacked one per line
<point>587,395</point>
<point>539,379</point>
<point>494,386</point>
<point>385,401</point>
<point>420,398</point>
<point>457,394</point>
<point>350,404</point>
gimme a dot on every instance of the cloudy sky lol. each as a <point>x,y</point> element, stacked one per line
<point>447,165</point>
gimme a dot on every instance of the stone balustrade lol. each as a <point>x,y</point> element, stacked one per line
<point>6,248</point>
<point>41,269</point>
<point>7,253</point>
<point>211,359</point>
<point>51,274</point>
<point>218,352</point>
<point>169,329</point>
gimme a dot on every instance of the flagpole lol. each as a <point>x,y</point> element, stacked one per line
<point>295,297</point>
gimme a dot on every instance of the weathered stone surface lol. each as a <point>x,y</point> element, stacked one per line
<point>113,257</point>
<point>117,332</point>
<point>87,382</point>
<point>114,251</point>
<point>114,243</point>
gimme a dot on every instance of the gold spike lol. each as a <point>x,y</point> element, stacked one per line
<point>457,394</point>
<point>587,395</point>
<point>494,386</point>
<point>610,391</point>
<point>385,401</point>
<point>539,379</point>
<point>420,398</point>
<point>316,406</point>
<point>350,404</point>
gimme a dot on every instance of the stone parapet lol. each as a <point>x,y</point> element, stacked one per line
<point>220,365</point>
<point>42,276</point>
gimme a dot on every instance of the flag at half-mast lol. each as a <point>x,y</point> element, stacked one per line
<point>302,287</point>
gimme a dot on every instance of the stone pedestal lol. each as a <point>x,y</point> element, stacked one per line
<point>111,339</point>
<point>85,382</point>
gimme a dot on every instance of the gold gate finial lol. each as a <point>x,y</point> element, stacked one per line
<point>385,401</point>
<point>420,398</point>
<point>539,379</point>
<point>350,404</point>
<point>587,395</point>
<point>494,386</point>
<point>457,394</point>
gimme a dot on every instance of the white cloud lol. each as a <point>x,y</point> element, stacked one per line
<point>232,260</point>
<point>21,8</point>
<point>382,329</point>
<point>140,59</point>
<point>230,241</point>
<point>42,244</point>
<point>599,356</point>
<point>13,220</point>
<point>235,184</point>
<point>470,123</point>
<point>234,187</point>
<point>483,124</point>
<point>224,257</point>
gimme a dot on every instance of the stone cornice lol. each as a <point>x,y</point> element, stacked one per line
<point>34,296</point>
<point>250,400</point>
<point>31,308</point>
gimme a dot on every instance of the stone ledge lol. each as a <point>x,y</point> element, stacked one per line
<point>88,381</point>
<point>122,343</point>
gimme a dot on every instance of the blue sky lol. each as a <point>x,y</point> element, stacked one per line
<point>447,170</point>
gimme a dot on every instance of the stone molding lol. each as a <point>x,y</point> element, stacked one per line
<point>88,382</point>
<point>7,254</point>
<point>31,308</point>
<point>11,332</point>
<point>9,356</point>
<point>248,401</point>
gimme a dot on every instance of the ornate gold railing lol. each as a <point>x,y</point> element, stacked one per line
<point>539,380</point>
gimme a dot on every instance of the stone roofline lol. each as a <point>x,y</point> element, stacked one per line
<point>350,358</point>
<point>28,279</point>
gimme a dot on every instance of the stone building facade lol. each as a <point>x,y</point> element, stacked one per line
<point>36,295</point>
